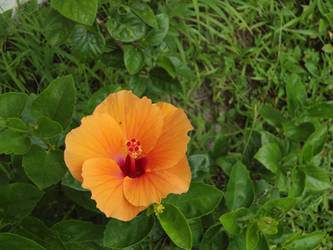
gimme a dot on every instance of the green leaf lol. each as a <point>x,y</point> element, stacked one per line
<point>138,85</point>
<point>306,242</point>
<point>316,178</point>
<point>298,183</point>
<point>267,225</point>
<point>321,110</point>
<point>163,83</point>
<point>56,101</point>
<point>315,143</point>
<point>57,28</point>
<point>126,27</point>
<point>36,230</point>
<point>13,142</point>
<point>277,208</point>
<point>230,220</point>
<point>80,234</point>
<point>199,164</point>
<point>271,115</point>
<point>17,200</point>
<point>252,236</point>
<point>296,94</point>
<point>12,104</point>
<point>214,239</point>
<point>83,199</point>
<point>14,241</point>
<point>47,128</point>
<point>240,189</point>
<point>201,199</point>
<point>165,63</point>
<point>221,146</point>
<point>81,11</point>
<point>133,59</point>
<point>270,156</point>
<point>44,168</point>
<point>16,125</point>
<point>69,181</point>
<point>197,230</point>
<point>145,13</point>
<point>100,95</point>
<point>120,234</point>
<point>87,43</point>
<point>298,133</point>
<point>156,36</point>
<point>176,227</point>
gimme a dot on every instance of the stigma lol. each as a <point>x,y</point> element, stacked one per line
<point>134,148</point>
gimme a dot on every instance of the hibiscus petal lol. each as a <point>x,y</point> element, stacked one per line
<point>172,144</point>
<point>98,136</point>
<point>152,186</point>
<point>104,179</point>
<point>139,118</point>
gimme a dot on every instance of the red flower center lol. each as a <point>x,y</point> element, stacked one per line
<point>134,165</point>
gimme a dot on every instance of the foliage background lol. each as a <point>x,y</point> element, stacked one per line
<point>254,77</point>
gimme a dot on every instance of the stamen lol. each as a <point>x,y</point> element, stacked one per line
<point>134,148</point>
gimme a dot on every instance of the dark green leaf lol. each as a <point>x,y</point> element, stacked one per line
<point>316,178</point>
<point>199,165</point>
<point>69,181</point>
<point>100,95</point>
<point>306,241</point>
<point>138,85</point>
<point>12,104</point>
<point>252,236</point>
<point>44,168</point>
<point>14,241</point>
<point>298,133</point>
<point>145,13</point>
<point>240,189</point>
<point>57,28</point>
<point>200,200</point>
<point>17,200</point>
<point>156,36</point>
<point>114,59</point>
<point>79,233</point>
<point>165,63</point>
<point>176,227</point>
<point>163,83</point>
<point>270,156</point>
<point>16,125</point>
<point>296,94</point>
<point>81,11</point>
<point>56,101</point>
<point>197,230</point>
<point>315,143</point>
<point>133,59</point>
<point>214,239</point>
<point>87,43</point>
<point>83,199</point>
<point>13,142</point>
<point>221,146</point>
<point>126,27</point>
<point>321,110</point>
<point>35,229</point>
<point>120,234</point>
<point>47,128</point>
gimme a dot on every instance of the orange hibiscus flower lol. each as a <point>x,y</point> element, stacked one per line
<point>130,153</point>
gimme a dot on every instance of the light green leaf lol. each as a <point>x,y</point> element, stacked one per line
<point>145,13</point>
<point>230,220</point>
<point>267,225</point>
<point>298,183</point>
<point>277,208</point>
<point>200,200</point>
<point>44,168</point>
<point>12,104</point>
<point>156,36</point>
<point>296,94</point>
<point>81,11</point>
<point>252,236</point>
<point>240,189</point>
<point>87,43</point>
<point>306,241</point>
<point>165,63</point>
<point>120,234</point>
<point>316,178</point>
<point>17,200</point>
<point>214,239</point>
<point>13,142</point>
<point>56,101</point>
<point>269,155</point>
<point>271,115</point>
<point>14,241</point>
<point>199,164</point>
<point>176,227</point>
<point>298,133</point>
<point>16,125</point>
<point>321,110</point>
<point>133,59</point>
<point>47,128</point>
<point>126,27</point>
<point>315,143</point>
